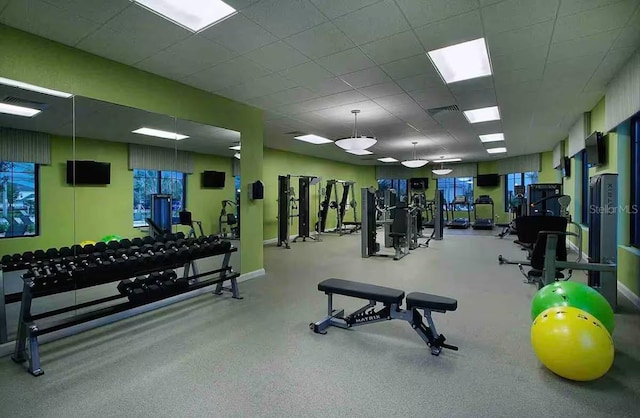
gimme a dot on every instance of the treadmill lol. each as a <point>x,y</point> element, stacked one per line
<point>429,220</point>
<point>483,223</point>
<point>459,223</point>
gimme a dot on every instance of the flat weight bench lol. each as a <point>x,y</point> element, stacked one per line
<point>391,299</point>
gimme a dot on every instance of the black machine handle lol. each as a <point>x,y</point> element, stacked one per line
<point>544,199</point>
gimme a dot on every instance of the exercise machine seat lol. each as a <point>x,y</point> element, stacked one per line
<point>428,301</point>
<point>381,294</point>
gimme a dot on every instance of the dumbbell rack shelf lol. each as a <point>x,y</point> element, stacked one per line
<point>27,346</point>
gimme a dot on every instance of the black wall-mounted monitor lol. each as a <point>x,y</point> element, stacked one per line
<point>488,180</point>
<point>213,179</point>
<point>419,183</point>
<point>88,172</point>
<point>566,167</point>
<point>596,150</point>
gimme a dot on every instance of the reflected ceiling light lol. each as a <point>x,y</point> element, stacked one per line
<point>387,160</point>
<point>498,150</point>
<point>194,15</point>
<point>359,152</point>
<point>27,86</point>
<point>356,142</point>
<point>160,134</point>
<point>492,137</point>
<point>462,61</point>
<point>18,110</point>
<point>236,155</point>
<point>442,171</point>
<point>415,162</point>
<point>313,139</point>
<point>483,114</point>
<point>448,160</point>
<point>235,147</point>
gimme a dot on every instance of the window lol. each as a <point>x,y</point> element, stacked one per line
<point>148,182</point>
<point>457,186</point>
<point>18,199</point>
<point>517,179</point>
<point>635,181</point>
<point>584,214</point>
<point>399,185</point>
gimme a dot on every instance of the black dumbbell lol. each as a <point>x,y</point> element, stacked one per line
<point>137,242</point>
<point>132,289</point>
<point>125,243</point>
<point>100,247</point>
<point>148,240</point>
<point>65,252</point>
<point>52,253</point>
<point>180,235</point>
<point>151,289</point>
<point>179,284</point>
<point>113,245</point>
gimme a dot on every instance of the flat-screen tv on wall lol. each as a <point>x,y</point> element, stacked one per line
<point>213,179</point>
<point>488,180</point>
<point>419,183</point>
<point>88,172</point>
<point>596,150</point>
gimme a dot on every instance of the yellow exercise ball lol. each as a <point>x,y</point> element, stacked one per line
<point>572,343</point>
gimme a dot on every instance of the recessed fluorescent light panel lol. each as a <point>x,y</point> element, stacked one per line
<point>499,150</point>
<point>492,137</point>
<point>387,160</point>
<point>462,61</point>
<point>235,147</point>
<point>27,86</point>
<point>359,152</point>
<point>313,139</point>
<point>448,160</point>
<point>484,114</point>
<point>194,15</point>
<point>160,134</point>
<point>18,110</point>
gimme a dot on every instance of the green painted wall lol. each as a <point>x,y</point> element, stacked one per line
<point>46,63</point>
<point>281,163</point>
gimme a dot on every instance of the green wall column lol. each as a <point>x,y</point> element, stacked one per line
<point>251,211</point>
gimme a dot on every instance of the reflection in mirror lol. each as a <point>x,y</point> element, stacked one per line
<point>36,202</point>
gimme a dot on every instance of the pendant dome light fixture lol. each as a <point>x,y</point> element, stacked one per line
<point>415,162</point>
<point>441,171</point>
<point>356,142</point>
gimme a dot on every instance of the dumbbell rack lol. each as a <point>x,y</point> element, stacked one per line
<point>30,326</point>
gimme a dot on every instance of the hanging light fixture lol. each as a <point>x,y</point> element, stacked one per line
<point>441,171</point>
<point>356,142</point>
<point>415,162</point>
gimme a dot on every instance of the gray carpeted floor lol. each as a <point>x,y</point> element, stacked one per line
<point>256,357</point>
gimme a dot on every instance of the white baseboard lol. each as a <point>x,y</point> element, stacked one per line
<point>251,275</point>
<point>626,292</point>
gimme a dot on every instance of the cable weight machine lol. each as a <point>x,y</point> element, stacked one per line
<point>291,207</point>
<point>341,206</point>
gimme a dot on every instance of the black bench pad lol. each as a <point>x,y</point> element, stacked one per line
<point>361,290</point>
<point>428,301</point>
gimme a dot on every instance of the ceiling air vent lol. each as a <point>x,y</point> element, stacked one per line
<point>437,110</point>
<point>16,101</point>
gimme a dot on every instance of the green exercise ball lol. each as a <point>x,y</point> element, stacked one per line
<point>112,237</point>
<point>577,295</point>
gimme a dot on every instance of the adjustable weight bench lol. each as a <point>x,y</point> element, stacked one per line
<point>391,299</point>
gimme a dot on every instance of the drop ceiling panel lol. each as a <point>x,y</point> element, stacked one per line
<point>421,12</point>
<point>346,62</point>
<point>373,22</point>
<point>44,19</point>
<point>397,101</point>
<point>510,77</point>
<point>320,41</point>
<point>587,45</point>
<point>277,56</point>
<point>284,17</point>
<point>629,36</point>
<point>474,99</point>
<point>451,31</point>
<point>327,86</point>
<point>305,73</point>
<point>407,67</point>
<point>420,81</point>
<point>366,77</point>
<point>96,10</point>
<point>293,95</point>
<point>335,8</point>
<point>593,21</point>
<point>381,90</point>
<point>492,127</point>
<point>227,74</point>
<point>520,39</point>
<point>572,68</point>
<point>611,63</point>
<point>186,57</point>
<point>239,34</point>
<point>394,47</point>
<point>258,87</point>
<point>478,83</point>
<point>521,59</point>
<point>433,97</point>
<point>514,14</point>
<point>569,7</point>
<point>240,4</point>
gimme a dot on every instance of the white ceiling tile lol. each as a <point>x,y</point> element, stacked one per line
<point>451,31</point>
<point>569,7</point>
<point>381,90</point>
<point>236,71</point>
<point>97,10</point>
<point>366,77</point>
<point>239,34</point>
<point>420,12</point>
<point>508,77</point>
<point>257,88</point>
<point>396,101</point>
<point>433,97</point>
<point>240,4</point>
<point>612,63</point>
<point>593,21</point>
<point>393,48</point>
<point>277,56</point>
<point>474,99</point>
<point>293,95</point>
<point>47,20</point>
<point>488,2</point>
<point>335,8</point>
<point>478,83</point>
<point>327,86</point>
<point>186,57</point>
<point>630,35</point>
<point>320,41</point>
<point>514,14</point>
<point>302,74</point>
<point>518,59</point>
<point>572,68</point>
<point>407,67</point>
<point>284,17</point>
<point>346,61</point>
<point>586,45</point>
<point>520,39</point>
<point>420,81</point>
<point>373,22</point>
